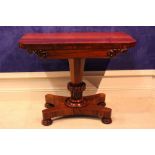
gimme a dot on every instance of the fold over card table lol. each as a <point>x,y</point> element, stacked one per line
<point>76,47</point>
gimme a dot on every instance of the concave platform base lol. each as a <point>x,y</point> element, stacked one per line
<point>58,106</point>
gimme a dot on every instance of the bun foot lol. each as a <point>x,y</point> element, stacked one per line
<point>49,105</point>
<point>47,122</point>
<point>106,120</point>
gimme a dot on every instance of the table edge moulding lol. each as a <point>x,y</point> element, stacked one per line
<point>76,47</point>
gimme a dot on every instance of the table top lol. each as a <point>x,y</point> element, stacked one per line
<point>77,38</point>
<point>76,41</point>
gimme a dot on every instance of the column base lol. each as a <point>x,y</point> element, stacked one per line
<point>60,106</point>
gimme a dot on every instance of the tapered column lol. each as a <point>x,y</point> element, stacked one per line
<point>76,69</point>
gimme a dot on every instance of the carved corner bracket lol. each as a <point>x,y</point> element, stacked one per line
<point>39,53</point>
<point>114,52</point>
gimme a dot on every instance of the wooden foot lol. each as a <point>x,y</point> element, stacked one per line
<point>47,122</point>
<point>106,120</point>
<point>93,105</point>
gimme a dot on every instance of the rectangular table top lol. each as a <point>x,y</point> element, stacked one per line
<point>77,38</point>
<point>77,44</point>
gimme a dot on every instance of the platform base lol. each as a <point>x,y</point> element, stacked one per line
<point>94,106</point>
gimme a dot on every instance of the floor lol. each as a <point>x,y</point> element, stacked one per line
<point>131,109</point>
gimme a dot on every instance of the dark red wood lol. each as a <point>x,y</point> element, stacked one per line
<point>94,106</point>
<point>76,47</point>
<point>76,38</point>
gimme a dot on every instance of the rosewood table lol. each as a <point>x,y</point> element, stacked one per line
<point>76,47</point>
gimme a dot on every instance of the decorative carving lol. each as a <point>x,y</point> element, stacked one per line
<point>92,108</point>
<point>114,52</point>
<point>79,87</point>
<point>123,50</point>
<point>76,99</point>
<point>39,53</point>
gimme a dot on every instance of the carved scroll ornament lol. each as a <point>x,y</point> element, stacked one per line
<point>39,53</point>
<point>114,52</point>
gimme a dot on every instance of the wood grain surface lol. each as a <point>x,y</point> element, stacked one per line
<point>76,47</point>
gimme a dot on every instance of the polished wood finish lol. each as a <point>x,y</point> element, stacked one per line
<point>94,107</point>
<point>76,69</point>
<point>81,39</point>
<point>76,47</point>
